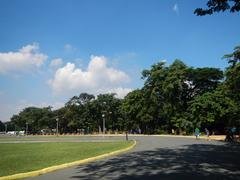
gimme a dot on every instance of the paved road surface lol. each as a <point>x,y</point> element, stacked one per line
<point>161,158</point>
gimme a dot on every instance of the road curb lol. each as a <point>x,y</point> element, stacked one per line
<point>203,137</point>
<point>66,165</point>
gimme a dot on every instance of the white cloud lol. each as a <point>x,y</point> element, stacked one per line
<point>56,63</point>
<point>25,59</point>
<point>69,48</point>
<point>97,78</point>
<point>23,104</point>
<point>121,92</point>
<point>175,8</point>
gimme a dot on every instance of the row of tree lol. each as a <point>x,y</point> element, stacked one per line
<point>181,98</point>
<point>174,97</point>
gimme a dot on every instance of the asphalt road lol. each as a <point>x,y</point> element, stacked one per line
<point>161,158</point>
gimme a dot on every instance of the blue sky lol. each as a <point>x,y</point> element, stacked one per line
<point>52,50</point>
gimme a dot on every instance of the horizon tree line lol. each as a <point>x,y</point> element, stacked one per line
<point>174,97</point>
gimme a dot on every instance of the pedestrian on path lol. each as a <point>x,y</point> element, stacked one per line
<point>207,134</point>
<point>197,133</point>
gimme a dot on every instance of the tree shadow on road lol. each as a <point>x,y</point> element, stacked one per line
<point>196,161</point>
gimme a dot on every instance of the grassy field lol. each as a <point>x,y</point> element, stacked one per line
<point>25,157</point>
<point>66,138</point>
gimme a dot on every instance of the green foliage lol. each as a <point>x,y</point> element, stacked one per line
<point>232,82</point>
<point>219,6</point>
<point>203,80</point>
<point>109,106</point>
<point>131,108</point>
<point>173,97</point>
<point>234,57</point>
<point>213,108</point>
<point>37,118</point>
<point>169,89</point>
<point>2,126</point>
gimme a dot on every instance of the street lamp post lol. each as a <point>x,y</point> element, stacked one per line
<point>110,119</point>
<point>57,126</point>
<point>26,128</point>
<point>126,127</point>
<point>5,128</point>
<point>103,116</point>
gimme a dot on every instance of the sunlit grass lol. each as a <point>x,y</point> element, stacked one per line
<point>25,157</point>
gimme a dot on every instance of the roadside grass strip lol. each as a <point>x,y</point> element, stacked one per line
<point>33,159</point>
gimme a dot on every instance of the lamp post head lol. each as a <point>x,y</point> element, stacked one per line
<point>103,115</point>
<point>57,119</point>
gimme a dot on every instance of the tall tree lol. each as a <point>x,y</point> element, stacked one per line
<point>219,6</point>
<point>166,91</point>
<point>232,73</point>
<point>37,118</point>
<point>108,105</point>
<point>175,92</point>
<point>213,109</point>
<point>132,109</point>
<point>153,96</point>
<point>234,57</point>
<point>201,80</point>
<point>2,126</point>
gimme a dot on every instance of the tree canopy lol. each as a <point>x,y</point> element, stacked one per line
<point>214,6</point>
<point>2,126</point>
<point>173,96</point>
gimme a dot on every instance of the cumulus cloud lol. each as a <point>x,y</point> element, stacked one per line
<point>163,61</point>
<point>97,78</point>
<point>25,59</point>
<point>55,63</point>
<point>175,8</point>
<point>69,48</point>
<point>120,92</point>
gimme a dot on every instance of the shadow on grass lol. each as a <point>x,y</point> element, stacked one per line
<point>197,161</point>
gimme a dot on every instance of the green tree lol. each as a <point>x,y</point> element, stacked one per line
<point>108,105</point>
<point>168,89</point>
<point>131,108</point>
<point>234,57</point>
<point>232,82</point>
<point>74,116</point>
<point>2,126</point>
<point>213,109</point>
<point>10,126</point>
<point>154,100</point>
<point>176,91</point>
<point>165,95</point>
<point>201,80</point>
<point>219,6</point>
<point>37,119</point>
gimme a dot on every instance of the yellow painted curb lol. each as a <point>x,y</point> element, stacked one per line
<point>212,137</point>
<point>57,167</point>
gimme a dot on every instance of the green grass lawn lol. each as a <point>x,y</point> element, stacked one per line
<point>25,157</point>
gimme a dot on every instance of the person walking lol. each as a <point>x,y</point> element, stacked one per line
<point>197,133</point>
<point>233,130</point>
<point>229,135</point>
<point>207,134</point>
